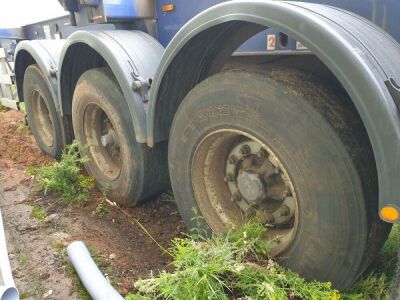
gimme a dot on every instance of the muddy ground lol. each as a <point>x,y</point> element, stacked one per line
<point>37,246</point>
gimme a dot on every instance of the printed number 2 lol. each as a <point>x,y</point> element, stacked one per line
<point>271,42</point>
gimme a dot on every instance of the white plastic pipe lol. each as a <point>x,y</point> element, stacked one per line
<point>93,280</point>
<point>8,291</point>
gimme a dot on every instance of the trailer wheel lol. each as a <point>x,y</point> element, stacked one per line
<point>128,171</point>
<point>284,147</point>
<point>43,119</point>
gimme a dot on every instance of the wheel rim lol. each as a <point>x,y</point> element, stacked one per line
<point>103,142</point>
<point>42,120</point>
<point>235,177</point>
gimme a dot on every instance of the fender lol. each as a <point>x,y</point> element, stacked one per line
<point>44,53</point>
<point>133,57</point>
<point>344,42</point>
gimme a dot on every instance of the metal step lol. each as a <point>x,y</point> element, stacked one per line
<point>14,104</point>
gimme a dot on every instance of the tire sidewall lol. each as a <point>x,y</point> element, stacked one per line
<point>98,87</point>
<point>35,80</point>
<point>331,230</point>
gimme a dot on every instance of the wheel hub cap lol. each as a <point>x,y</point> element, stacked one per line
<point>251,187</point>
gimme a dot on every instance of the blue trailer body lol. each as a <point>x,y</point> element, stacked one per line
<point>125,14</point>
<point>384,13</point>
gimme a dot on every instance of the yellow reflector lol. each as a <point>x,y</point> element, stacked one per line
<point>168,7</point>
<point>390,214</point>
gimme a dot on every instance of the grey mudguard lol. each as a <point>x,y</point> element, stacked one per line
<point>129,54</point>
<point>363,57</point>
<point>44,53</point>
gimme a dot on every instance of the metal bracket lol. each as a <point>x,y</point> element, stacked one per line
<point>139,84</point>
<point>53,71</point>
<point>394,89</point>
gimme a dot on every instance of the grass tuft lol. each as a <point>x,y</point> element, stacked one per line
<point>102,208</point>
<point>223,267</point>
<point>38,213</point>
<point>2,107</point>
<point>64,177</point>
<point>377,282</point>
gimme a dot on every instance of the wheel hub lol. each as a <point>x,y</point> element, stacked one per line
<point>109,139</point>
<point>257,183</point>
<point>102,138</point>
<point>235,176</point>
<point>42,119</point>
<point>251,187</point>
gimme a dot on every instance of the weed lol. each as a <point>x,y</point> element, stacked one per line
<point>36,284</point>
<point>22,128</point>
<point>31,170</point>
<point>64,177</point>
<point>101,208</point>
<point>24,294</point>
<point>376,283</point>
<point>22,106</point>
<point>221,267</point>
<point>14,156</point>
<point>59,247</point>
<point>24,260</point>
<point>2,107</point>
<point>38,213</point>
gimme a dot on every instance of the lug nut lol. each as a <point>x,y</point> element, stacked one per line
<point>245,150</point>
<point>262,153</point>
<point>250,212</point>
<point>269,219</point>
<point>284,211</point>
<point>236,197</point>
<point>233,160</point>
<point>229,177</point>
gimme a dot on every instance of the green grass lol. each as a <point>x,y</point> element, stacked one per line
<point>23,260</point>
<point>59,247</point>
<point>235,265</point>
<point>377,282</point>
<point>64,177</point>
<point>224,267</point>
<point>102,208</point>
<point>2,107</point>
<point>38,213</point>
<point>24,294</point>
<point>22,128</point>
<point>22,106</point>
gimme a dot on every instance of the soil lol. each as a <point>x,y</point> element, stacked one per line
<point>37,246</point>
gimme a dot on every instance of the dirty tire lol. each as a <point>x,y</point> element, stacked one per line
<point>317,134</point>
<point>51,132</point>
<point>138,173</point>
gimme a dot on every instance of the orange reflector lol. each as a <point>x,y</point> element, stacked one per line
<point>168,7</point>
<point>390,214</point>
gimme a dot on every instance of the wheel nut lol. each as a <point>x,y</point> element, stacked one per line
<point>284,211</point>
<point>245,150</point>
<point>232,160</point>
<point>262,153</point>
<point>250,212</point>
<point>287,194</point>
<point>229,177</point>
<point>236,198</point>
<point>269,219</point>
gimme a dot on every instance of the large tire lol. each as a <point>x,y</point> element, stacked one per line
<point>52,133</point>
<point>128,171</point>
<point>323,149</point>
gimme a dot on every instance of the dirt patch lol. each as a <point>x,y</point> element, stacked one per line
<point>37,246</point>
